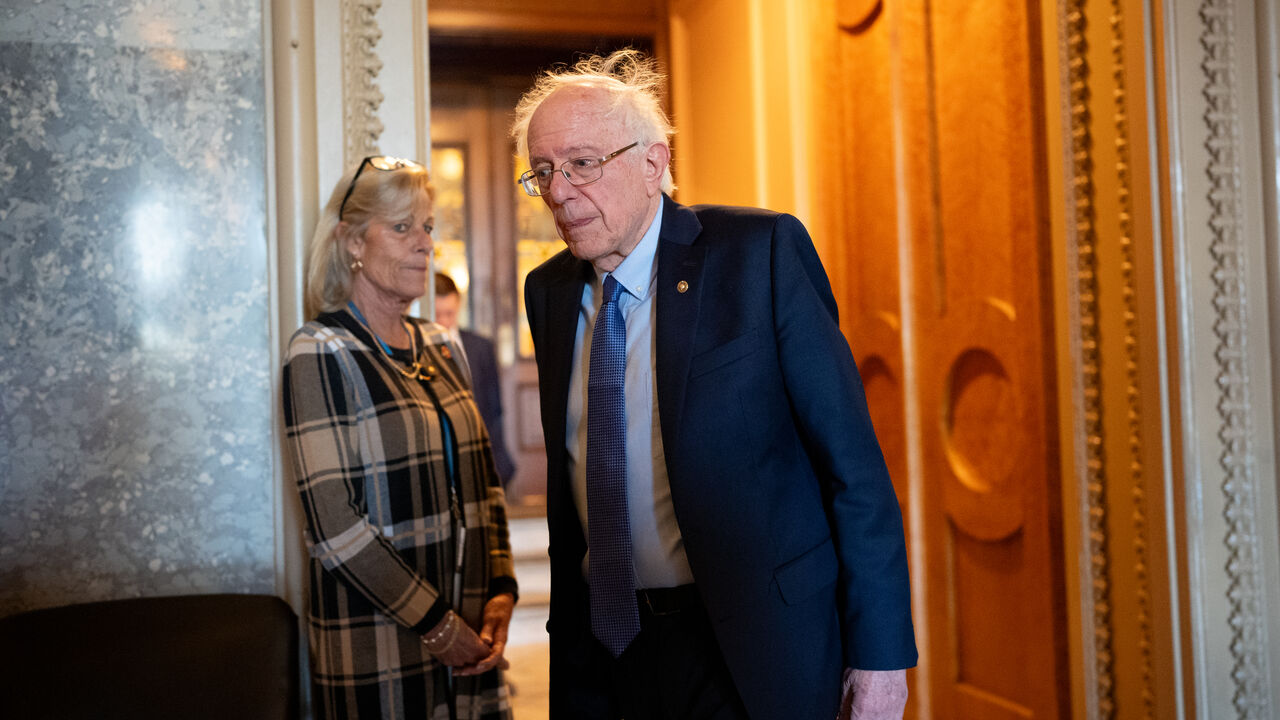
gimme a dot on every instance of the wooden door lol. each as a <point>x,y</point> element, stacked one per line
<point>942,199</point>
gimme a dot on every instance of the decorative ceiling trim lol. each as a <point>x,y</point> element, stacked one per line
<point>361,96</point>
<point>1082,253</point>
<point>1133,397</point>
<point>1246,620</point>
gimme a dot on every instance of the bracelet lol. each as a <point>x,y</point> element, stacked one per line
<point>440,651</point>
<point>449,617</point>
<point>449,628</point>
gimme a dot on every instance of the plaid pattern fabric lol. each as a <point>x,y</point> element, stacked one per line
<point>368,458</point>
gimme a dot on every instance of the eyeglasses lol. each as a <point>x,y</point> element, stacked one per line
<point>578,171</point>
<point>379,162</point>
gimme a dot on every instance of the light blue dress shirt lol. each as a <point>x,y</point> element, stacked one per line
<point>657,547</point>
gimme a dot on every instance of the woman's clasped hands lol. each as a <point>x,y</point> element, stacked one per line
<point>455,644</point>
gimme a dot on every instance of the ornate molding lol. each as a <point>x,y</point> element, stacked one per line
<point>1133,397</point>
<point>1246,620</point>
<point>361,97</point>
<point>1088,363</point>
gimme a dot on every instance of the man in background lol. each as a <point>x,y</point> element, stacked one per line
<point>479,356</point>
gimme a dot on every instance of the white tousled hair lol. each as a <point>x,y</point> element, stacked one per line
<point>635,87</point>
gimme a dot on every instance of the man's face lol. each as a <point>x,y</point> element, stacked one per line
<point>603,221</point>
<point>447,310</point>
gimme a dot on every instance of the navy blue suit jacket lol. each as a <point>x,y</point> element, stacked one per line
<point>788,515</point>
<point>485,385</point>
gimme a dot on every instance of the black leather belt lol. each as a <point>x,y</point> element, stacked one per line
<point>668,601</point>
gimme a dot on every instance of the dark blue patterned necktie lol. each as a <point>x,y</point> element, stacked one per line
<point>615,620</point>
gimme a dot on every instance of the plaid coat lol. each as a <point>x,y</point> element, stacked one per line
<point>368,457</point>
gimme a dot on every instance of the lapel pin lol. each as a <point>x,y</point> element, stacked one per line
<point>444,350</point>
<point>682,286</point>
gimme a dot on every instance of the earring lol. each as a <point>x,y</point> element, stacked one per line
<point>356,265</point>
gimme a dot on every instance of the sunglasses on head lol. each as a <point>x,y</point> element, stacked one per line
<point>378,162</point>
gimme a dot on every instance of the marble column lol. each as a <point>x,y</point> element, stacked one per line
<point>136,450</point>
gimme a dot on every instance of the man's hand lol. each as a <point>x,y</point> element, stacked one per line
<point>493,633</point>
<point>873,695</point>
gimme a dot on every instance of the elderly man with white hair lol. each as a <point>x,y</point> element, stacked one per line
<point>725,540</point>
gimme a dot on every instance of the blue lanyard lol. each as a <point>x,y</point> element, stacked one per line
<point>360,316</point>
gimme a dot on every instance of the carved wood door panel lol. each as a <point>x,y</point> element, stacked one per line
<point>947,280</point>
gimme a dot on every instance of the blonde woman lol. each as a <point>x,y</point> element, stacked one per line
<point>412,583</point>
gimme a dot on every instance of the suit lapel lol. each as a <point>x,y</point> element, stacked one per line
<point>680,265</point>
<point>563,298</point>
